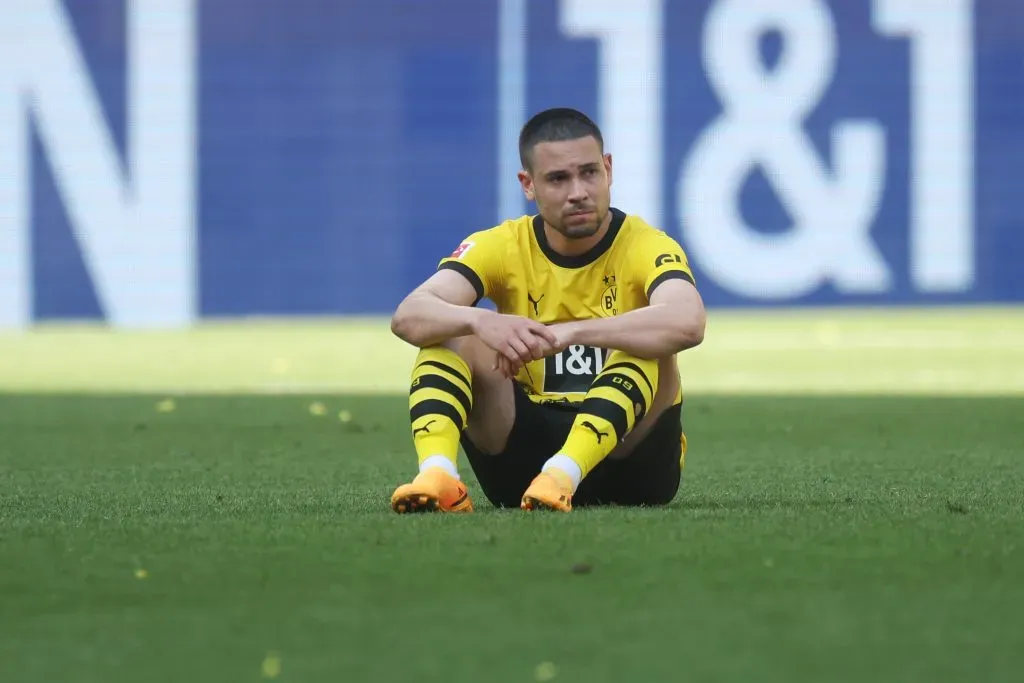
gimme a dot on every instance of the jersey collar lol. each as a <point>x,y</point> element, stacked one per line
<point>586,258</point>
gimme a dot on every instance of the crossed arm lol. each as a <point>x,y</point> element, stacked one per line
<point>441,309</point>
<point>673,321</point>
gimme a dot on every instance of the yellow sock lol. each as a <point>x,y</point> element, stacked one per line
<point>440,400</point>
<point>615,402</point>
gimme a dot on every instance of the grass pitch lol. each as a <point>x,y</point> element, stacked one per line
<point>212,506</point>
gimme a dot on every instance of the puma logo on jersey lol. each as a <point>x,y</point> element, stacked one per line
<point>535,303</point>
<point>597,432</point>
<point>425,428</point>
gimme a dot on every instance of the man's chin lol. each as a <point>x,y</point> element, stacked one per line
<point>582,227</point>
<point>578,232</point>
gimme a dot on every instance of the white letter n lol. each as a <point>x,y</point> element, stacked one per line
<point>135,228</point>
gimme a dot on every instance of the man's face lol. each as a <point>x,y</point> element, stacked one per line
<point>571,182</point>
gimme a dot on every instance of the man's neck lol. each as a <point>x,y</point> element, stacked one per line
<point>574,247</point>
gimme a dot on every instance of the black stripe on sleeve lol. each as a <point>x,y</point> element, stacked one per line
<point>444,384</point>
<point>435,406</point>
<point>607,410</point>
<point>469,274</point>
<point>669,275</point>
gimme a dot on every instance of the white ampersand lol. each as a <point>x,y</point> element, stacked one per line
<point>576,363</point>
<point>761,124</point>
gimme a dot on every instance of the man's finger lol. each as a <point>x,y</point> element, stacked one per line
<point>533,345</point>
<point>506,368</point>
<point>521,349</point>
<point>543,332</point>
<point>509,353</point>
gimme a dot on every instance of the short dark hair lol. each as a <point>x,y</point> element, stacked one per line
<point>556,125</point>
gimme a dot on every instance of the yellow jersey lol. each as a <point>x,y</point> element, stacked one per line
<point>513,265</point>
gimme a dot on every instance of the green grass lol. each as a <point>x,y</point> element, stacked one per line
<point>847,537</point>
<point>976,351</point>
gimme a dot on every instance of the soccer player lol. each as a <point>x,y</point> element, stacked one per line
<point>569,391</point>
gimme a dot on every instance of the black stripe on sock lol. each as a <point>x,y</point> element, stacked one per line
<point>435,406</point>
<point>447,368</point>
<point>635,394</point>
<point>635,368</point>
<point>607,410</point>
<point>444,384</point>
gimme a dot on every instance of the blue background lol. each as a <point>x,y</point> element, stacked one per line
<point>344,147</point>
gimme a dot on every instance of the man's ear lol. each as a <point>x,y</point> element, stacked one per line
<point>526,181</point>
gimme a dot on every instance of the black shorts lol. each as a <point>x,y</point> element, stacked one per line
<point>648,476</point>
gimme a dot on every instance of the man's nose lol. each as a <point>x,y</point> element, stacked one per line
<point>577,190</point>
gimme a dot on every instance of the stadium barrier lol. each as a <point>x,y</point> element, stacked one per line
<point>165,161</point>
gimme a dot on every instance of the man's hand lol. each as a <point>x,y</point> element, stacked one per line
<point>564,335</point>
<point>504,366</point>
<point>517,339</point>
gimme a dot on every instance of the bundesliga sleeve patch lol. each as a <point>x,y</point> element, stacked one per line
<point>462,249</point>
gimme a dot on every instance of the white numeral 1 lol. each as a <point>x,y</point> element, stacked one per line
<point>629,93</point>
<point>942,159</point>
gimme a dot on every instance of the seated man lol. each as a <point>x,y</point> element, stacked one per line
<point>570,390</point>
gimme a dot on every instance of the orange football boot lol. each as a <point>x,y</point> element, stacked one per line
<point>433,490</point>
<point>549,490</point>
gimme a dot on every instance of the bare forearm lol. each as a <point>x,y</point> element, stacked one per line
<point>655,331</point>
<point>425,320</point>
